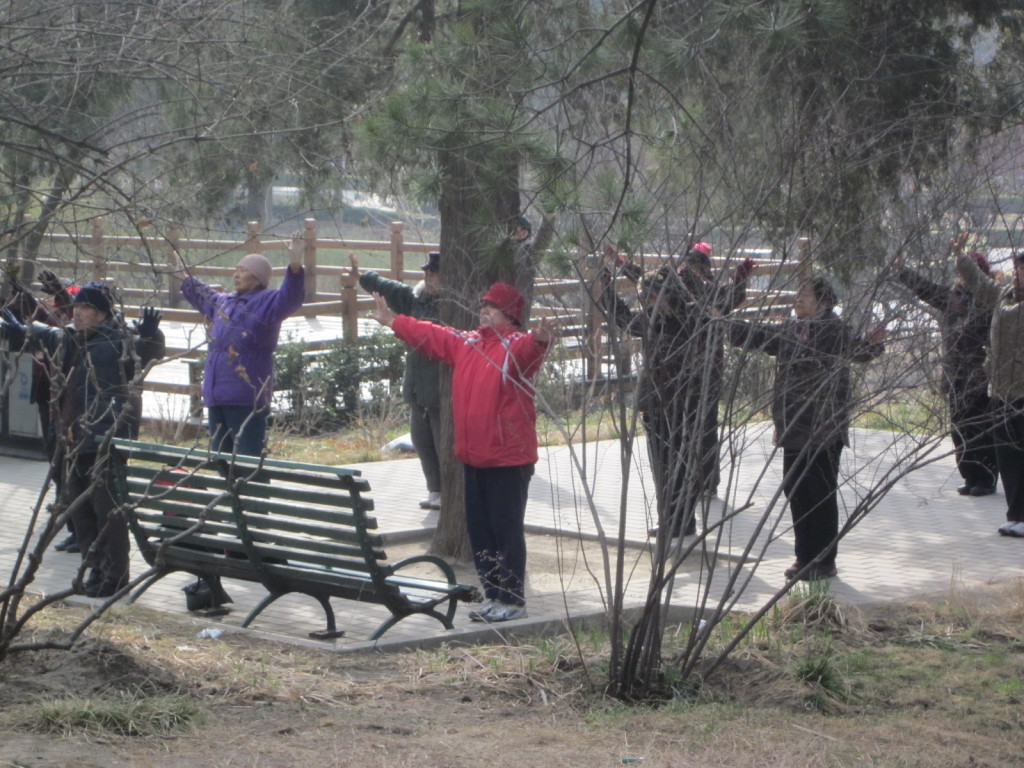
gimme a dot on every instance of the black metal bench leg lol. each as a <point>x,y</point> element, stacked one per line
<point>332,630</point>
<point>259,609</point>
<point>395,618</point>
<point>446,620</point>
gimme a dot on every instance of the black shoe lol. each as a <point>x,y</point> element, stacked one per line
<point>965,489</point>
<point>104,589</point>
<point>64,544</point>
<point>983,490</point>
<point>101,587</point>
<point>92,583</point>
<point>200,597</point>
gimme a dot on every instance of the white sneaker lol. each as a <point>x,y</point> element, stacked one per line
<point>505,612</point>
<point>1014,529</point>
<point>481,614</point>
<point>433,501</point>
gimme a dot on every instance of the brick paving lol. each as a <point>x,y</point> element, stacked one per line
<point>921,538</point>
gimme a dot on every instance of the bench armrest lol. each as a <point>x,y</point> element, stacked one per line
<point>446,569</point>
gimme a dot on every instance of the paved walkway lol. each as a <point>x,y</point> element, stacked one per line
<point>922,538</point>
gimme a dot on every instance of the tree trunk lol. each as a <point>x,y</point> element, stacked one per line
<point>471,261</point>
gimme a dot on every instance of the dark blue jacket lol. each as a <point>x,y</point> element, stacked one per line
<point>93,371</point>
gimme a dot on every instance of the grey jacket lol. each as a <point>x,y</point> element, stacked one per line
<point>1005,362</point>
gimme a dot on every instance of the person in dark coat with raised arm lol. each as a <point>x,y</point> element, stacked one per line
<point>964,323</point>
<point>95,365</point>
<point>680,382</point>
<point>811,413</point>
<point>421,384</point>
<point>56,313</point>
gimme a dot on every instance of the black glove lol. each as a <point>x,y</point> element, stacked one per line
<point>12,329</point>
<point>49,282</point>
<point>147,327</point>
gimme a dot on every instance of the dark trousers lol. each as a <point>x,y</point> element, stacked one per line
<point>237,429</point>
<point>974,437</point>
<point>425,431</point>
<point>811,484</point>
<point>709,450</point>
<point>96,518</point>
<point>1010,452</point>
<point>495,510</point>
<point>682,444</point>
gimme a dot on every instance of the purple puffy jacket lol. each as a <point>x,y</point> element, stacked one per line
<point>239,367</point>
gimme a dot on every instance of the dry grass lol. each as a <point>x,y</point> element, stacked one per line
<point>933,683</point>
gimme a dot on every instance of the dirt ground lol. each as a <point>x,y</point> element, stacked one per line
<point>935,683</point>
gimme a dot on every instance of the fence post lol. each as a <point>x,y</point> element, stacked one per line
<point>397,255</point>
<point>309,257</point>
<point>252,241</point>
<point>99,260</point>
<point>803,258</point>
<point>349,308</point>
<point>173,286</point>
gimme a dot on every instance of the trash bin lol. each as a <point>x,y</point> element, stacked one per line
<point>20,431</point>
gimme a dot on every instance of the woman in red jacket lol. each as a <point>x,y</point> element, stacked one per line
<point>494,416</point>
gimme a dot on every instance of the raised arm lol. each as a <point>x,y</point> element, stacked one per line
<point>399,296</point>
<point>295,252</point>
<point>985,289</point>
<point>764,337</point>
<point>150,345</point>
<point>177,268</point>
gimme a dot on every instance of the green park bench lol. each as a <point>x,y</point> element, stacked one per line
<point>292,527</point>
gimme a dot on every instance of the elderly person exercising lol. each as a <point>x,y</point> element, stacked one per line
<point>238,377</point>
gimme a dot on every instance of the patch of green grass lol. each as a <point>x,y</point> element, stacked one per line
<point>1012,687</point>
<point>919,416</point>
<point>126,714</point>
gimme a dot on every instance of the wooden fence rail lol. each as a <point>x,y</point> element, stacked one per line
<point>145,279</point>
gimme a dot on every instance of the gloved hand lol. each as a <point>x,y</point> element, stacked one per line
<point>147,327</point>
<point>633,272</point>
<point>743,270</point>
<point>12,329</point>
<point>50,283</point>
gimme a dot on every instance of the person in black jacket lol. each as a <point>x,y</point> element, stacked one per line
<point>680,383</point>
<point>964,323</point>
<point>421,384</point>
<point>56,314</point>
<point>94,364</point>
<point>710,299</point>
<point>811,413</point>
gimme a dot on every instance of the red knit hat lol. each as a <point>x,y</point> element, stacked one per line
<point>702,247</point>
<point>508,299</point>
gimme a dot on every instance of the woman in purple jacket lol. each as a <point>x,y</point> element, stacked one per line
<point>238,376</point>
